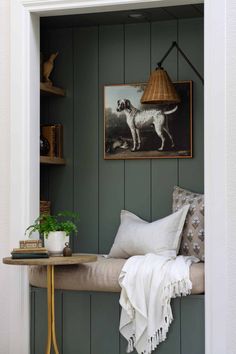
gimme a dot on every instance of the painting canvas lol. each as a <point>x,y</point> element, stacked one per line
<point>135,131</point>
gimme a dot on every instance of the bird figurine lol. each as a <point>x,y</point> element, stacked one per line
<point>48,67</point>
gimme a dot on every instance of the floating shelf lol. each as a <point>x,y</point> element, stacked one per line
<point>47,160</point>
<point>48,90</point>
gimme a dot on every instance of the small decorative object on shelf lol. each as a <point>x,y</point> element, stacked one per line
<point>67,251</point>
<point>44,146</point>
<point>53,133</point>
<point>30,243</point>
<point>48,67</point>
<point>46,85</point>
<point>56,230</point>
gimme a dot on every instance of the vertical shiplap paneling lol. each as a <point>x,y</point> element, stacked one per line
<point>61,111</point>
<point>32,321</point>
<point>40,318</point>
<point>102,188</point>
<point>104,323</point>
<point>192,325</point>
<point>164,171</point>
<point>86,137</point>
<point>137,67</point>
<point>76,323</point>
<point>191,41</point>
<point>111,173</point>
<point>58,318</point>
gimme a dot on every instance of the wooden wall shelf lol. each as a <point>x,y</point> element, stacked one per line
<point>47,160</point>
<point>47,90</point>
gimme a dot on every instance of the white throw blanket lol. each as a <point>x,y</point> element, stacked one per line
<point>148,283</point>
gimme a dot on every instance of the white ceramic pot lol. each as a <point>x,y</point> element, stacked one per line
<point>55,242</point>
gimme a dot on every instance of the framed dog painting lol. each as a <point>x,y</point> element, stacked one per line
<point>136,131</point>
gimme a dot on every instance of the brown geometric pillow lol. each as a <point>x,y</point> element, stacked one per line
<point>192,243</point>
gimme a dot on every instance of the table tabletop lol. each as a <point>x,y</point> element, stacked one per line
<point>76,258</point>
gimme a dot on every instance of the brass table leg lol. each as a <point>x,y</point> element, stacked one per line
<point>51,311</point>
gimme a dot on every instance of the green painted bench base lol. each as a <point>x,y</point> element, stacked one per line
<point>88,323</point>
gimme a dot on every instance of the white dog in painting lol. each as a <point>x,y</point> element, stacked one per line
<point>137,119</point>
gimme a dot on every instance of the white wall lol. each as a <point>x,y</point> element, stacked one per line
<point>220,175</point>
<point>231,172</point>
<point>4,169</point>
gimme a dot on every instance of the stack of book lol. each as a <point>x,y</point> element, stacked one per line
<point>34,252</point>
<point>54,135</point>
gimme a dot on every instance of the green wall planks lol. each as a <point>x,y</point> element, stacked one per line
<point>137,68</point>
<point>39,314</point>
<point>61,187</point>
<point>86,137</point>
<point>104,323</point>
<point>103,55</point>
<point>164,171</point>
<point>88,323</point>
<point>191,171</point>
<point>192,325</point>
<point>76,322</point>
<point>40,321</point>
<point>111,173</point>
<point>89,59</point>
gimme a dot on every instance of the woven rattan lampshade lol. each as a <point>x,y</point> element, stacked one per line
<point>160,89</point>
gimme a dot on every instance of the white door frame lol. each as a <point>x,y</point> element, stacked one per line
<point>219,17</point>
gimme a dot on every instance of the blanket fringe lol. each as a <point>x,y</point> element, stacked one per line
<point>172,290</point>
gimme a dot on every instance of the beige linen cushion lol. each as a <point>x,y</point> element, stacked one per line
<point>101,275</point>
<point>138,237</point>
<point>193,232</point>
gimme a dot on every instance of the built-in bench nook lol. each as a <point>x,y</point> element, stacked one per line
<point>101,275</point>
<point>96,51</point>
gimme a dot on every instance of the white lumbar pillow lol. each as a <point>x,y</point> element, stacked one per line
<point>137,237</point>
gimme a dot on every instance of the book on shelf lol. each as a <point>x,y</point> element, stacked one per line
<point>59,140</point>
<point>54,134</point>
<point>29,255</point>
<point>30,250</point>
<point>49,132</point>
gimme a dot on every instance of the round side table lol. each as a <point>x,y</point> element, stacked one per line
<point>50,263</point>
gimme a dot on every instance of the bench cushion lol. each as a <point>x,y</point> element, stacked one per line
<point>101,275</point>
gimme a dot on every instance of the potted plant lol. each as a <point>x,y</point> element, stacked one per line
<point>55,229</point>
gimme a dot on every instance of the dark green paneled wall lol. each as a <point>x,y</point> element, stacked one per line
<point>88,323</point>
<point>89,58</point>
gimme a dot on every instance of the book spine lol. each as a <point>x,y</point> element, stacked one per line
<point>28,255</point>
<point>48,132</point>
<point>60,140</point>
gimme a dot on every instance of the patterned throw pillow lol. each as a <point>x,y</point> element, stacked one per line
<point>192,243</point>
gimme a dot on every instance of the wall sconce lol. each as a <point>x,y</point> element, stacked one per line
<point>160,88</point>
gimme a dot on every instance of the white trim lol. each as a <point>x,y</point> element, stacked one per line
<point>62,7</point>
<point>24,160</point>
<point>215,178</point>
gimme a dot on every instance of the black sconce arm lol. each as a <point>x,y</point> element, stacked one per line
<point>175,44</point>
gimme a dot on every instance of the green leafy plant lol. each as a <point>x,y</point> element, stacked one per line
<point>62,221</point>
